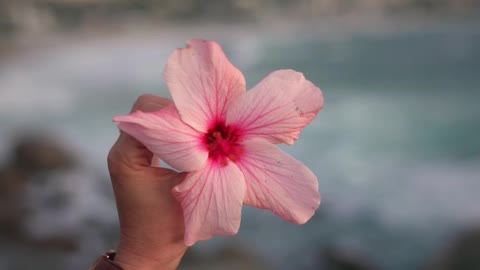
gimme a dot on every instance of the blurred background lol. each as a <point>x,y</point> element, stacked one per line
<point>396,148</point>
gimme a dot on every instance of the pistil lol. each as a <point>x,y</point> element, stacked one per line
<point>222,143</point>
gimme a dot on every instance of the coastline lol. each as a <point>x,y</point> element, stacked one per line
<point>366,23</point>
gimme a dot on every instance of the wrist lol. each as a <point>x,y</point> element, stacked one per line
<point>132,255</point>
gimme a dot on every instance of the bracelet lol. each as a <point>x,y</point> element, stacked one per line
<point>105,262</point>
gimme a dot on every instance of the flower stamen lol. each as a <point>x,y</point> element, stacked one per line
<point>222,143</point>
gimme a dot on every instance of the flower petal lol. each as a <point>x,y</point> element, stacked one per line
<point>278,182</point>
<point>164,133</point>
<point>277,108</point>
<point>202,82</point>
<point>211,200</point>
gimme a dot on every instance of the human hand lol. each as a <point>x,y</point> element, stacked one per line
<point>151,221</point>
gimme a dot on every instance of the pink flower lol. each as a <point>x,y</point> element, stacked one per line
<point>225,137</point>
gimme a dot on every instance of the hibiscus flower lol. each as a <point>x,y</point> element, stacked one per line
<point>224,138</point>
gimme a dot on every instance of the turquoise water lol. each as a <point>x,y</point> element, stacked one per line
<point>396,147</point>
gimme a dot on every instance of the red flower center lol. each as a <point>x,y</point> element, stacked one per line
<point>222,143</point>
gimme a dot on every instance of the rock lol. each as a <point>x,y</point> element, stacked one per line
<point>463,253</point>
<point>63,243</point>
<point>339,259</point>
<point>11,182</point>
<point>30,157</point>
<point>232,258</point>
<point>38,154</point>
<point>12,210</point>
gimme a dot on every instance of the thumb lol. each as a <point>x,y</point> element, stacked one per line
<point>150,103</point>
<point>129,155</point>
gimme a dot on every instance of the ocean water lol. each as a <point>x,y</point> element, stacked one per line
<point>396,148</point>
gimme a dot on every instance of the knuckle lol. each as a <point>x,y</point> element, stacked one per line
<point>112,162</point>
<point>141,100</point>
